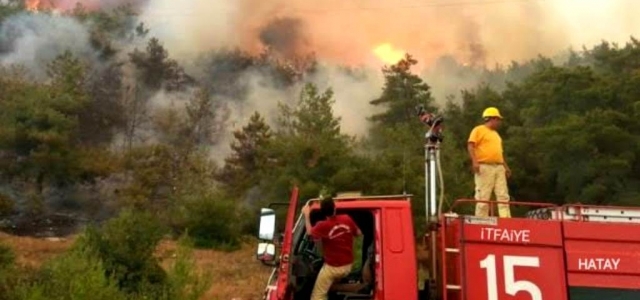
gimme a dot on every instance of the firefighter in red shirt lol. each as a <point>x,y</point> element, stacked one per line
<point>336,234</point>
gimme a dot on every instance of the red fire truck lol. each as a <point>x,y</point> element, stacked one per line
<point>571,252</point>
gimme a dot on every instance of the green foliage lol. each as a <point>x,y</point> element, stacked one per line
<point>6,273</point>
<point>106,26</point>
<point>6,204</point>
<point>570,131</point>
<point>75,275</point>
<point>402,92</point>
<point>7,257</point>
<point>151,176</point>
<point>242,168</point>
<point>183,281</point>
<point>109,264</point>
<point>156,69</point>
<point>308,147</point>
<point>207,216</point>
<point>126,245</point>
<point>9,8</point>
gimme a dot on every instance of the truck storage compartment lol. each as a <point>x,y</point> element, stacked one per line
<point>603,255</point>
<point>510,259</point>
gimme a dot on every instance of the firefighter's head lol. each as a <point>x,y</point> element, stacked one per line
<point>328,207</point>
<point>492,117</point>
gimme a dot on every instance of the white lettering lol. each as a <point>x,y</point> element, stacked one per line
<point>598,264</point>
<point>505,235</point>
<point>511,285</point>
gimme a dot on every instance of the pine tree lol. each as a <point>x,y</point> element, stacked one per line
<point>403,91</point>
<point>242,167</point>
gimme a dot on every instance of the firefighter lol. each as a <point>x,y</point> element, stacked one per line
<point>336,235</point>
<point>489,166</point>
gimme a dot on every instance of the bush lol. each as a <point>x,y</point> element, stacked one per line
<point>126,246</point>
<point>183,282</point>
<point>212,222</point>
<point>112,263</point>
<point>77,274</point>
<point>208,217</point>
<point>7,275</point>
<point>6,204</point>
<point>7,257</point>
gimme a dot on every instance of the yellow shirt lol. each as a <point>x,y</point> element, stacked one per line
<point>488,144</point>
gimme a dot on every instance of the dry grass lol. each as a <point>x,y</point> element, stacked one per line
<point>236,275</point>
<point>32,252</point>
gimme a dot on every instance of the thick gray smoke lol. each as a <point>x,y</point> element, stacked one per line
<point>285,36</point>
<point>352,94</point>
<point>34,40</point>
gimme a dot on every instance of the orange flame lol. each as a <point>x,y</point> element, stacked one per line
<point>32,5</point>
<point>388,54</point>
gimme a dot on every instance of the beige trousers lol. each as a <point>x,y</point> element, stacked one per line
<point>327,276</point>
<point>492,178</point>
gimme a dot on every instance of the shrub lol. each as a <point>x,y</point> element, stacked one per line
<point>7,276</point>
<point>209,218</point>
<point>6,204</point>
<point>126,245</point>
<point>184,282</point>
<point>76,274</point>
<point>7,257</point>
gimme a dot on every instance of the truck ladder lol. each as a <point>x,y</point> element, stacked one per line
<point>587,213</point>
<point>451,282</point>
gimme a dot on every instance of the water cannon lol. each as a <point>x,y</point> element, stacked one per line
<point>434,123</point>
<point>433,171</point>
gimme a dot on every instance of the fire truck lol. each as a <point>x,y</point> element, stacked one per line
<point>547,252</point>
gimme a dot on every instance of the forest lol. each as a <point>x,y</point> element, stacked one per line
<point>84,135</point>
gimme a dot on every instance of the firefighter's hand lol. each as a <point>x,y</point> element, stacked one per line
<point>507,171</point>
<point>305,210</point>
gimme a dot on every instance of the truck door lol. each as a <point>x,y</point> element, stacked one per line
<point>284,269</point>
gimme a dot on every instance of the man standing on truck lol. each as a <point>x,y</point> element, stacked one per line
<point>489,166</point>
<point>336,234</point>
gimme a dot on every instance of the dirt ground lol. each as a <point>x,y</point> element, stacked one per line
<point>236,275</point>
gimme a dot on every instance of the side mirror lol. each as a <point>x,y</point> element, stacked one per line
<point>266,252</point>
<point>267,224</point>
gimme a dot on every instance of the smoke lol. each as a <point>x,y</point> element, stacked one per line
<point>346,32</point>
<point>285,36</point>
<point>34,40</point>
<point>64,5</point>
<point>352,90</point>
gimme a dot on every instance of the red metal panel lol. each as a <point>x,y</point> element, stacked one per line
<point>399,261</point>
<point>603,254</point>
<point>615,232</point>
<point>513,259</point>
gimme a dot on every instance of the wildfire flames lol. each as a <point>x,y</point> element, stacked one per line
<point>32,5</point>
<point>60,5</point>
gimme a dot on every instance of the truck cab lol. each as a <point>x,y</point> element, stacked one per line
<point>385,259</point>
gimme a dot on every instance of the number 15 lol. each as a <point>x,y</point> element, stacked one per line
<point>512,287</point>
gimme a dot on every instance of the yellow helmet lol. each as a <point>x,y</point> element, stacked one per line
<point>491,112</point>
